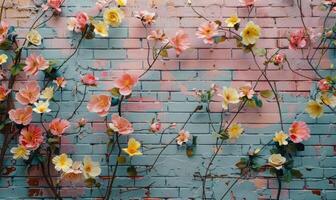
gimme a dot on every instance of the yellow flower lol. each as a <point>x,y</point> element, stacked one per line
<point>133,148</point>
<point>34,37</point>
<point>230,95</point>
<point>113,16</point>
<point>47,93</point>
<point>100,28</point>
<point>121,2</point>
<point>232,21</point>
<point>20,152</point>
<point>235,131</point>
<point>276,161</point>
<point>281,138</point>
<point>3,58</point>
<point>62,162</point>
<point>90,169</point>
<point>328,99</point>
<point>314,109</point>
<point>41,107</point>
<point>250,34</point>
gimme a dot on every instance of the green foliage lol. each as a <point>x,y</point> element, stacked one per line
<point>16,69</point>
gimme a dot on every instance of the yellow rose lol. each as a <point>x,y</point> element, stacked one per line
<point>101,28</point>
<point>62,162</point>
<point>121,2</point>
<point>281,138</point>
<point>314,109</point>
<point>133,148</point>
<point>250,34</point>
<point>230,95</point>
<point>328,99</point>
<point>232,21</point>
<point>3,58</point>
<point>20,152</point>
<point>235,131</point>
<point>47,93</point>
<point>276,161</point>
<point>113,16</point>
<point>34,37</point>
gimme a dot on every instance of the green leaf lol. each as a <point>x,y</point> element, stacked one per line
<point>242,164</point>
<point>260,52</point>
<point>218,22</point>
<point>190,151</point>
<point>131,171</point>
<point>16,69</point>
<point>121,159</point>
<point>296,173</point>
<point>257,101</point>
<point>267,94</point>
<point>164,53</point>
<point>194,140</point>
<point>287,176</point>
<point>90,182</point>
<point>5,45</point>
<point>274,151</point>
<point>219,39</point>
<point>115,101</point>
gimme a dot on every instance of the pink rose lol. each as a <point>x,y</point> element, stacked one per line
<point>99,104</point>
<point>180,42</point>
<point>21,115</point>
<point>155,127</point>
<point>29,93</point>
<point>125,83</point>
<point>59,126</point>
<point>3,31</point>
<point>297,39</point>
<point>278,59</point>
<point>89,80</point>
<point>299,131</point>
<point>35,63</point>
<point>31,137</point>
<point>121,125</point>
<point>323,85</point>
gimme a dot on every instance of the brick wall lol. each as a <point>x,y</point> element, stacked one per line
<point>166,92</point>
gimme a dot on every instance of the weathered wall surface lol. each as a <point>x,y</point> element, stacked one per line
<point>166,92</point>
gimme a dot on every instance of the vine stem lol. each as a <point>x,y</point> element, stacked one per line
<point>110,184</point>
<point>279,185</point>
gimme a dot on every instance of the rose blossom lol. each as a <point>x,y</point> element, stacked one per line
<point>297,39</point>
<point>247,2</point>
<point>125,83</point>
<point>89,80</point>
<point>29,93</point>
<point>99,104</point>
<point>278,59</point>
<point>180,42</point>
<point>35,63</point>
<point>121,125</point>
<point>207,31</point>
<point>31,137</point>
<point>21,115</point>
<point>299,131</point>
<point>3,92</point>
<point>3,31</point>
<point>59,126</point>
<point>323,85</point>
<point>55,4</point>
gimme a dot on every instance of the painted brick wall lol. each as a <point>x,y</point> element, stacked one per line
<point>166,92</point>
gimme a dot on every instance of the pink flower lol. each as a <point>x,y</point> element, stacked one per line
<point>146,17</point>
<point>278,59</point>
<point>35,63</point>
<point>155,127</point>
<point>3,92</point>
<point>54,4</point>
<point>207,31</point>
<point>180,42</point>
<point>29,93</point>
<point>21,115</point>
<point>31,137</point>
<point>60,82</point>
<point>59,126</point>
<point>125,83</point>
<point>299,131</point>
<point>81,122</point>
<point>248,2</point>
<point>121,125</point>
<point>183,137</point>
<point>82,19</point>
<point>323,85</point>
<point>158,35</point>
<point>246,91</point>
<point>89,80</point>
<point>3,31</point>
<point>99,104</point>
<point>297,39</point>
